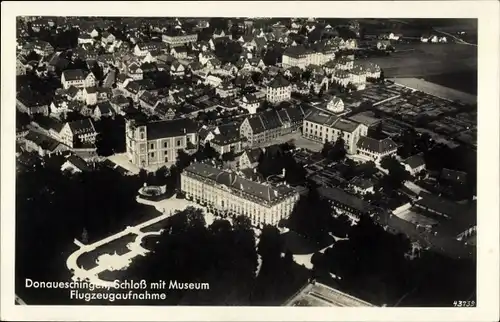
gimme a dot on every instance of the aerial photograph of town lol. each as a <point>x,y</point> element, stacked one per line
<point>246,161</point>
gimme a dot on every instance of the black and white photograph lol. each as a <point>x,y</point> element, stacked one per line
<point>247,160</point>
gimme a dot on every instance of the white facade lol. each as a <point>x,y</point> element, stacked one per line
<point>302,61</point>
<point>278,94</point>
<point>237,202</point>
<point>329,133</point>
<point>179,40</point>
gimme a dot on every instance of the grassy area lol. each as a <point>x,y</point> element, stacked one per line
<point>88,260</point>
<point>428,59</point>
<point>465,81</point>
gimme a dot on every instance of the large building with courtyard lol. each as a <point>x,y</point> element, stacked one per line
<point>324,125</point>
<point>225,192</point>
<point>158,143</point>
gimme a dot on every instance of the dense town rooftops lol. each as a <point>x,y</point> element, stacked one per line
<point>262,193</point>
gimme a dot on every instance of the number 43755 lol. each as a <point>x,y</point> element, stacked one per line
<point>464,303</point>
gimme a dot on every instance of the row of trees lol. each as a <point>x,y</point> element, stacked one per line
<point>373,264</point>
<point>53,208</point>
<point>278,158</point>
<point>223,254</point>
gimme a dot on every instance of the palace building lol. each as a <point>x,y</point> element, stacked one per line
<point>226,192</point>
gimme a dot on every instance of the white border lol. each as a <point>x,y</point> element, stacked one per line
<point>488,184</point>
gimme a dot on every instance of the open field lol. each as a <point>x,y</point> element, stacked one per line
<point>428,59</point>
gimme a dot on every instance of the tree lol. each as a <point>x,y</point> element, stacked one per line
<point>228,156</point>
<point>397,173</point>
<point>336,151</point>
<point>306,75</point>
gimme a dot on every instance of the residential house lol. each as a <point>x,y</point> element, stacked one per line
<point>414,164</point>
<point>104,94</point>
<point>142,49</point>
<point>250,103</point>
<point>149,101</point>
<point>361,186</point>
<point>135,71</point>
<point>177,69</point>
<point>453,176</point>
<point>20,66</point>
<point>341,77</point>
<point>212,81</point>
<point>119,103</point>
<point>85,39</point>
<point>345,203</point>
<point>77,132</point>
<point>42,48</point>
<point>42,144</point>
<point>31,104</point>
<point>250,158</point>
<point>376,149</point>
<point>77,78</point>
<point>335,105</point>
<point>103,110</point>
<point>107,38</point>
<point>301,88</point>
<point>179,52</point>
<point>318,83</point>
<point>278,90</point>
<point>219,33</point>
<point>166,111</point>
<point>266,126</point>
<point>90,95</point>
<point>226,139</point>
<point>226,89</point>
<point>74,164</point>
<point>384,44</point>
<point>344,63</point>
<point>75,94</point>
<point>213,63</point>
<point>59,106</point>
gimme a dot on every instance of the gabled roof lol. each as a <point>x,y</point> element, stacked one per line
<point>73,75</point>
<point>378,146</point>
<point>253,154</point>
<point>415,161</point>
<point>45,142</point>
<point>105,108</point>
<point>170,128</point>
<point>251,189</point>
<point>346,125</point>
<point>278,82</point>
<point>81,126</point>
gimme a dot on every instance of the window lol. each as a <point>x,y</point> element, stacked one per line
<point>165,145</point>
<point>152,146</point>
<point>178,142</point>
<point>152,154</point>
